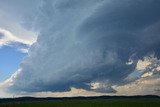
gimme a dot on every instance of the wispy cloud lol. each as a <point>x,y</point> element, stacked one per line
<point>7,38</point>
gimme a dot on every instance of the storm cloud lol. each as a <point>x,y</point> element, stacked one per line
<point>85,42</point>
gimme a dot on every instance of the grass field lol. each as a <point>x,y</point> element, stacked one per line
<point>88,103</point>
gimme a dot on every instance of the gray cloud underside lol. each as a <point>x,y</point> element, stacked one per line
<point>81,42</point>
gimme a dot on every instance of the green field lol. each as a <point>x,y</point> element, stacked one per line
<point>88,103</point>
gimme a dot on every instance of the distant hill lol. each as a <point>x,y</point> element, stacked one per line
<point>22,99</point>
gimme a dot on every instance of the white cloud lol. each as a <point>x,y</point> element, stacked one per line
<point>23,50</point>
<point>147,74</point>
<point>4,92</point>
<point>141,65</point>
<point>142,86</point>
<point>7,38</point>
<point>73,93</point>
<point>11,29</point>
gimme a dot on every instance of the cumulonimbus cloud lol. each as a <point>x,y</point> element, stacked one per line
<point>85,42</point>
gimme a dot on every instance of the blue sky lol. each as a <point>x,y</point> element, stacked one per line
<point>10,59</point>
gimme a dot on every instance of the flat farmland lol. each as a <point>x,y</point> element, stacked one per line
<point>86,103</point>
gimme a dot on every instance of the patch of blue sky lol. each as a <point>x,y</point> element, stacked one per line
<point>10,59</point>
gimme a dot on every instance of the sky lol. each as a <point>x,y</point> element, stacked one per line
<point>57,48</point>
<point>10,60</point>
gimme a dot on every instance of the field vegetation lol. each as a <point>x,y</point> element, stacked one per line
<point>86,103</point>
